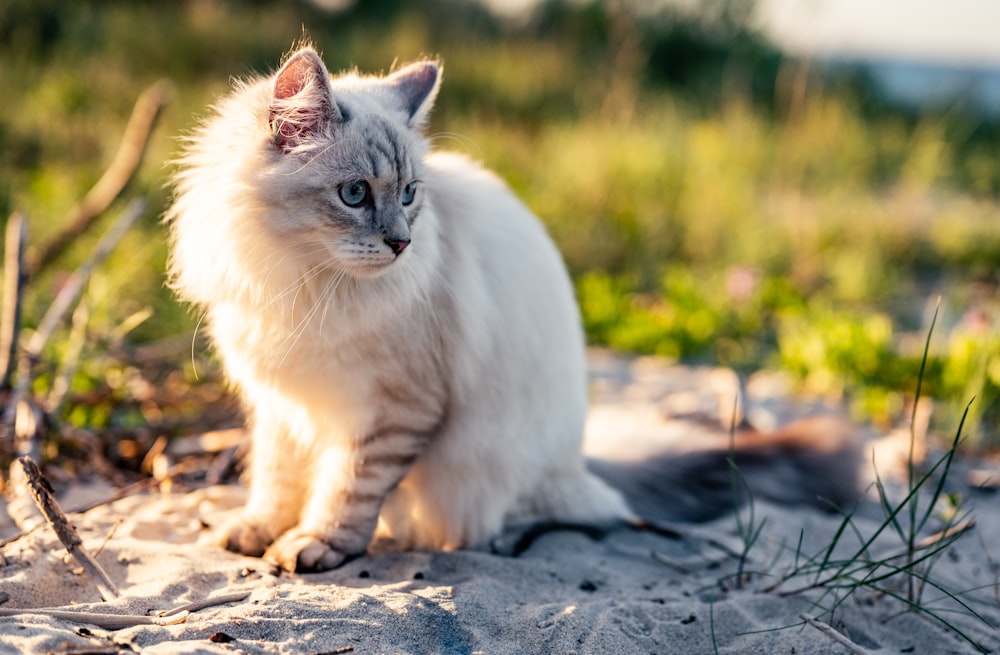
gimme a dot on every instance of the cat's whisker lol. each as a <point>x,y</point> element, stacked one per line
<point>297,285</point>
<point>441,283</point>
<point>339,276</point>
<point>468,144</point>
<point>309,161</point>
<point>295,249</point>
<point>296,334</point>
<point>301,284</point>
<point>279,257</point>
<point>194,340</point>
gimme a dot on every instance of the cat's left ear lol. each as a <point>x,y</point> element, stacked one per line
<point>301,102</point>
<point>416,86</point>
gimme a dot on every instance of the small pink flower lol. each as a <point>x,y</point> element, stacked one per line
<point>741,283</point>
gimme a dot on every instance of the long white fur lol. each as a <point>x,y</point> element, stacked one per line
<point>474,327</point>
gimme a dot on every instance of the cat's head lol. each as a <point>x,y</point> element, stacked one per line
<point>344,160</point>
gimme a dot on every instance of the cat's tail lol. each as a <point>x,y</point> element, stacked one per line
<point>695,471</point>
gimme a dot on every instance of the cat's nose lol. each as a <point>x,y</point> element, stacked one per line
<point>397,245</point>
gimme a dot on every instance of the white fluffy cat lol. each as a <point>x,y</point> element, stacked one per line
<point>401,327</point>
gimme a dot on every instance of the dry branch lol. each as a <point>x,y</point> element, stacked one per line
<point>112,183</point>
<point>953,531</point>
<point>197,605</point>
<point>14,278</point>
<point>109,535</point>
<point>119,621</point>
<point>64,529</point>
<point>73,287</point>
<point>836,636</point>
<point>67,368</point>
<point>214,441</point>
<point>107,621</point>
<point>21,403</point>
<point>667,561</point>
<point>118,495</point>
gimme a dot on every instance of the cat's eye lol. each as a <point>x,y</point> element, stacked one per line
<point>354,193</point>
<point>409,191</point>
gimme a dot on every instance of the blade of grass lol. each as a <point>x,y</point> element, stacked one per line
<point>711,627</point>
<point>836,539</point>
<point>883,498</point>
<point>914,505</point>
<point>934,615</point>
<point>899,508</point>
<point>949,457</point>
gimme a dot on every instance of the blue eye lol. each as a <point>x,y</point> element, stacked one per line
<point>409,191</point>
<point>354,193</point>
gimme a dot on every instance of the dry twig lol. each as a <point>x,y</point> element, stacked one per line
<point>112,183</point>
<point>64,529</point>
<point>28,418</point>
<point>208,602</point>
<point>214,441</point>
<point>67,368</point>
<point>667,561</point>
<point>14,278</point>
<point>124,492</point>
<point>953,531</point>
<point>836,636</point>
<point>119,621</point>
<point>221,465</point>
<point>109,535</point>
<point>73,287</point>
<point>107,621</point>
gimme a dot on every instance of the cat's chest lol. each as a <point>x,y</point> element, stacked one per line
<point>398,368</point>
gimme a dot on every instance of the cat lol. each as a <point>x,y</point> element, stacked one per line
<point>402,329</point>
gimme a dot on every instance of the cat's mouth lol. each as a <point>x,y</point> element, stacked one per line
<point>371,265</point>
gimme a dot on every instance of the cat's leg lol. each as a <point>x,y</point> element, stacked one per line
<point>349,483</point>
<point>276,490</point>
<point>446,503</point>
<point>450,500</point>
<point>422,516</point>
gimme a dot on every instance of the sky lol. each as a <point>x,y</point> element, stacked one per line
<point>964,32</point>
<point>946,31</point>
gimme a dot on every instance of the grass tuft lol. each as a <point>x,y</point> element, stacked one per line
<point>903,573</point>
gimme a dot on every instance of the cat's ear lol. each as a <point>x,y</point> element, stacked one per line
<point>416,86</point>
<point>301,101</point>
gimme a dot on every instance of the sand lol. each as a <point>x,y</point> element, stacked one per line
<point>625,592</point>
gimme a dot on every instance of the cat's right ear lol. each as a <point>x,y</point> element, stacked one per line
<point>416,86</point>
<point>301,102</point>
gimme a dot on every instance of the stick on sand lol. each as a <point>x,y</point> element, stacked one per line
<point>64,529</point>
<point>836,636</point>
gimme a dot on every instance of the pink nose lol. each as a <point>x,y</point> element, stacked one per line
<point>397,245</point>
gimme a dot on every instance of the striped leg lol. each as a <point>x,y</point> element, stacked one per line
<point>276,492</point>
<point>349,484</point>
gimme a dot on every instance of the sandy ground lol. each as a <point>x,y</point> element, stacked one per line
<point>626,592</point>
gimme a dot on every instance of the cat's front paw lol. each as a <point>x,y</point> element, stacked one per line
<point>244,536</point>
<point>300,552</point>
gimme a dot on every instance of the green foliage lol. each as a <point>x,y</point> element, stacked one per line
<point>722,316</point>
<point>733,318</point>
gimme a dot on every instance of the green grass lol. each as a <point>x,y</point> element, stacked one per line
<point>702,226</point>
<point>894,559</point>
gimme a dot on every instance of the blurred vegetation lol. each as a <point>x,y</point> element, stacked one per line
<point>715,201</point>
